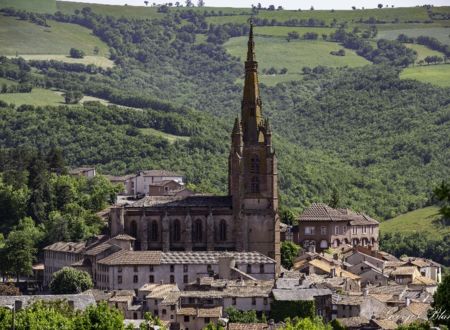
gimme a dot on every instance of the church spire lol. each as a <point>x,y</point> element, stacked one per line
<point>251,102</point>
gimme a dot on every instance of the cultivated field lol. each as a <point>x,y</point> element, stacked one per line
<point>278,53</point>
<point>282,31</point>
<point>21,37</point>
<point>37,6</point>
<point>421,220</point>
<point>434,74</point>
<point>423,51</point>
<point>440,33</point>
<point>37,97</point>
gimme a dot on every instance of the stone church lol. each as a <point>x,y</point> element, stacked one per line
<point>245,220</point>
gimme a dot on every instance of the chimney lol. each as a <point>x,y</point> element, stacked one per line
<point>366,292</point>
<point>312,248</point>
<point>408,301</point>
<point>198,280</point>
<point>161,282</point>
<point>335,256</point>
<point>333,272</point>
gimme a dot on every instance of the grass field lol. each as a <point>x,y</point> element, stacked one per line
<point>440,33</point>
<point>96,60</point>
<point>282,31</point>
<point>423,51</point>
<point>278,53</point>
<point>171,138</point>
<point>37,6</point>
<point>38,97</point>
<point>22,37</point>
<point>7,82</point>
<point>422,220</point>
<point>434,74</point>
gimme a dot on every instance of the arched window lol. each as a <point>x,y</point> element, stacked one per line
<point>153,231</point>
<point>176,231</point>
<point>254,164</point>
<point>254,185</point>
<point>223,230</point>
<point>133,229</point>
<point>197,233</point>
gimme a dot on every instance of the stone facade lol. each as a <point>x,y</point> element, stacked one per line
<point>245,220</point>
<point>321,227</point>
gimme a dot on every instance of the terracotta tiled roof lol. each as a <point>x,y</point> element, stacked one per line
<point>191,311</point>
<point>183,201</point>
<point>163,183</point>
<point>385,324</point>
<point>159,173</point>
<point>124,237</point>
<point>419,309</point>
<point>132,258</point>
<point>98,249</point>
<point>353,322</point>
<point>326,267</point>
<point>323,212</point>
<point>405,270</point>
<point>66,247</point>
<point>422,280</point>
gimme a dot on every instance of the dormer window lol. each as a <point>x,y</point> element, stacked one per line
<point>254,185</point>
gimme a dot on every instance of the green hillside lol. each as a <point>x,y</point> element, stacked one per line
<point>434,74</point>
<point>37,6</point>
<point>418,221</point>
<point>294,55</point>
<point>22,37</point>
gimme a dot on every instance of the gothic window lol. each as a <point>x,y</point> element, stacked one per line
<point>133,229</point>
<point>176,231</point>
<point>254,164</point>
<point>254,185</point>
<point>198,231</point>
<point>152,232</point>
<point>223,230</point>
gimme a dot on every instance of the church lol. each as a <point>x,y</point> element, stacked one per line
<point>245,220</point>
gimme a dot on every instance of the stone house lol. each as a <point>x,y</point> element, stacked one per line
<point>161,300</point>
<point>427,268</point>
<point>88,172</point>
<point>197,318</point>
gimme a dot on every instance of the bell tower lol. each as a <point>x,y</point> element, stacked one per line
<point>253,170</point>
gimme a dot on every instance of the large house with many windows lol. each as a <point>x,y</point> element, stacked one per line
<point>321,227</point>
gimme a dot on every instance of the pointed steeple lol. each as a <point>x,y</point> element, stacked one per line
<point>251,102</point>
<point>237,129</point>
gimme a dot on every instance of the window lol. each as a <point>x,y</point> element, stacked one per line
<point>135,269</point>
<point>185,279</point>
<point>223,230</point>
<point>207,320</point>
<point>119,279</point>
<point>254,184</point>
<point>261,268</point>
<point>172,268</point>
<point>344,229</point>
<point>354,230</point>
<point>197,233</point>
<point>153,231</point>
<point>336,230</point>
<point>254,164</point>
<point>151,279</point>
<point>208,268</point>
<point>119,270</point>
<point>135,316</point>
<point>156,302</point>
<point>135,279</point>
<point>172,279</point>
<point>233,301</point>
<point>253,301</point>
<point>249,269</point>
<point>164,312</point>
<point>151,269</point>
<point>310,230</point>
<point>323,230</point>
<point>176,231</point>
<point>133,229</point>
<point>265,301</point>
<point>185,268</point>
<point>364,229</point>
<point>186,318</point>
<point>172,307</point>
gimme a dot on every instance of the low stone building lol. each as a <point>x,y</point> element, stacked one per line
<point>321,227</point>
<point>133,269</point>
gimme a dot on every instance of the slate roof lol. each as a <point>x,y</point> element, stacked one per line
<point>80,301</point>
<point>181,257</point>
<point>323,212</point>
<point>299,294</point>
<point>183,201</point>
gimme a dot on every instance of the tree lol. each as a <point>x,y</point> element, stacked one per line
<point>315,323</point>
<point>189,3</point>
<point>293,35</point>
<point>76,53</point>
<point>72,97</point>
<point>442,194</point>
<point>289,251</point>
<point>353,7</point>
<point>287,216</point>
<point>441,303</point>
<point>335,197</point>
<point>415,326</point>
<point>237,316</point>
<point>146,3</point>
<point>380,6</point>
<point>70,280</point>
<point>96,50</point>
<point>19,251</point>
<point>200,3</point>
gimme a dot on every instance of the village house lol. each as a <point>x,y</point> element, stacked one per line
<point>88,172</point>
<point>321,226</point>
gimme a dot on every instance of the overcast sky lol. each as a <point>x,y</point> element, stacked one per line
<point>287,4</point>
